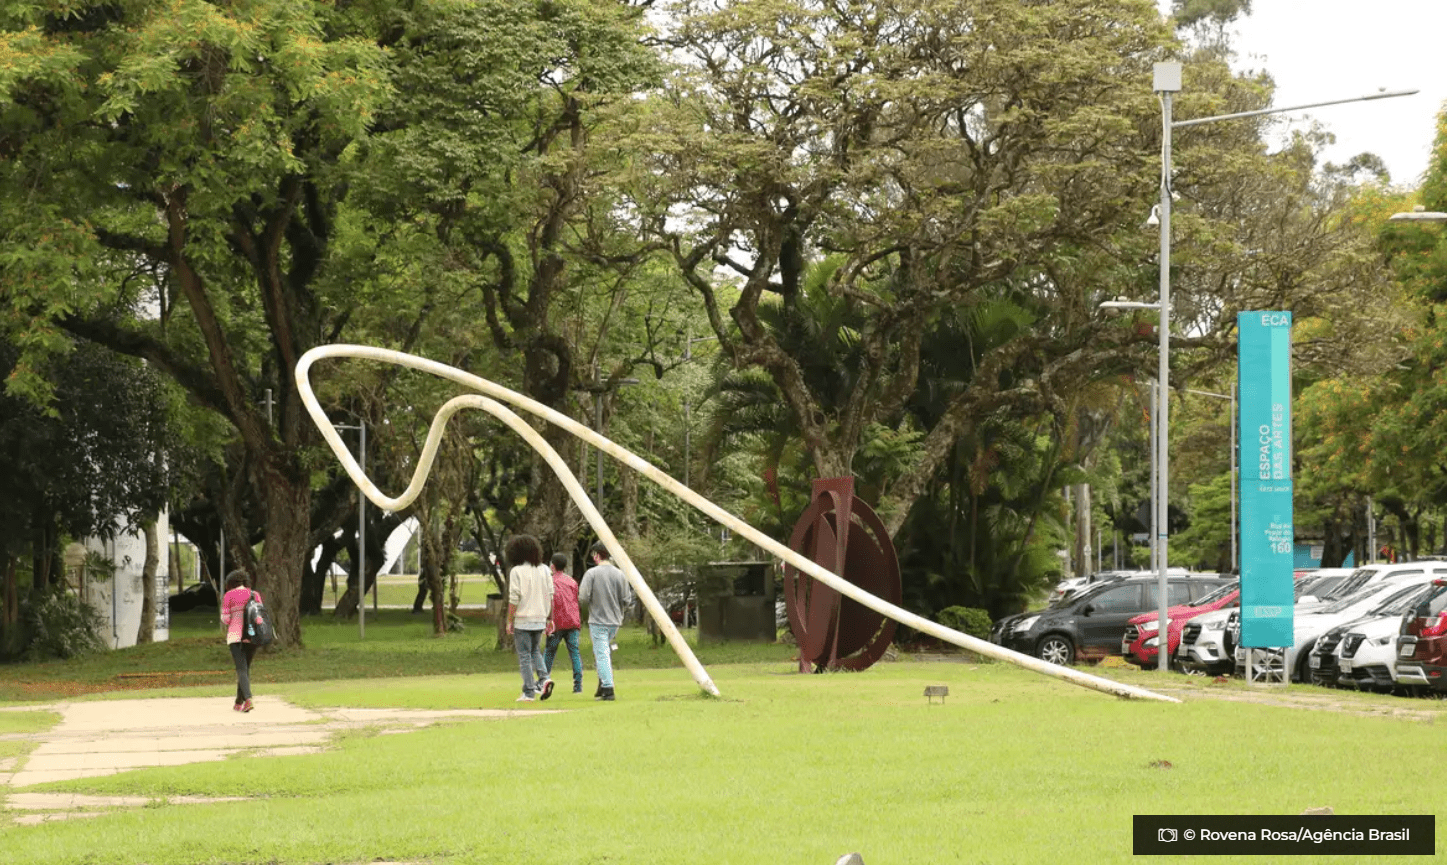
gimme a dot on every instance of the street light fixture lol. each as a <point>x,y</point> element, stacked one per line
<point>1166,80</point>
<point>1418,214</point>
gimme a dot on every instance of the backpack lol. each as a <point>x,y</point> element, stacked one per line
<point>257,628</point>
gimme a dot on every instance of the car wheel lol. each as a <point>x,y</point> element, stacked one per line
<point>1056,649</point>
<point>1303,664</point>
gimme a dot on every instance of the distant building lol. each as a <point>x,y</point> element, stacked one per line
<point>118,599</point>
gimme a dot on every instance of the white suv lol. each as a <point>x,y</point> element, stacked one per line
<point>1208,642</point>
<point>1310,625</point>
<point>1365,654</point>
<point>1206,646</point>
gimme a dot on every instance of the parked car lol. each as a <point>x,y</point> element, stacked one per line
<point>1088,626</point>
<point>1313,586</point>
<point>1066,589</point>
<point>1208,642</point>
<point>1140,642</point>
<point>201,594</point>
<point>1367,575</point>
<point>1363,654</point>
<point>1422,642</point>
<point>1309,626</point>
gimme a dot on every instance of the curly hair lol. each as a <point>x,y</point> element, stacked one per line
<point>523,549</point>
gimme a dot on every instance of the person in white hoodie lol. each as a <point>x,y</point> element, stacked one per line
<point>529,613</point>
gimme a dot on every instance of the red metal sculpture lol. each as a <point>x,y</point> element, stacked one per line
<point>841,533</point>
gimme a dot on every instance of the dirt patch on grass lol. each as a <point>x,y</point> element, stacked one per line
<point>1349,702</point>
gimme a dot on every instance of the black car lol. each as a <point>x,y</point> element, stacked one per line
<point>1089,625</point>
<point>194,596</point>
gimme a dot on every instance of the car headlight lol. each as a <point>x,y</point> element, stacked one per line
<point>1151,643</point>
<point>1215,626</point>
<point>1146,627</point>
<point>1382,641</point>
<point>1026,623</point>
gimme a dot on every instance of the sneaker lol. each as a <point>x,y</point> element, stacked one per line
<point>607,695</point>
<point>547,688</point>
<point>246,707</point>
<point>524,699</point>
<point>236,708</point>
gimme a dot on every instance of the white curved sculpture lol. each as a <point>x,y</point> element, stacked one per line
<point>648,470</point>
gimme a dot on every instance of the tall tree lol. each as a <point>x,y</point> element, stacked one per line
<point>947,152</point>
<point>188,159</point>
<point>219,187</point>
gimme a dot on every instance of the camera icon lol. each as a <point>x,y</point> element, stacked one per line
<point>1165,834</point>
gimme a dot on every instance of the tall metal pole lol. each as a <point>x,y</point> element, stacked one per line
<point>1371,534</point>
<point>1155,480</point>
<point>362,522</point>
<point>1167,81</point>
<point>361,427</point>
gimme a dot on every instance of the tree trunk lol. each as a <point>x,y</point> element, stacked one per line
<point>174,569</point>
<point>146,633</point>
<point>11,612</point>
<point>314,577</point>
<point>288,520</point>
<point>1082,552</point>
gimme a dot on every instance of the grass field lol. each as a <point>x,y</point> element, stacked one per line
<point>785,768</point>
<point>400,590</point>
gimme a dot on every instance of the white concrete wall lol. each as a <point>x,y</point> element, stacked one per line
<point>119,600</point>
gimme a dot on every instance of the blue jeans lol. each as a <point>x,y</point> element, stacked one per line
<point>570,636</point>
<point>602,637</point>
<point>530,659</point>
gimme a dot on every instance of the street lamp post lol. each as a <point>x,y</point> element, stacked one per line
<point>361,427</point>
<point>1166,81</point>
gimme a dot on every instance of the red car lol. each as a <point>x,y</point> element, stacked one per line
<point>1422,646</point>
<point>1139,644</point>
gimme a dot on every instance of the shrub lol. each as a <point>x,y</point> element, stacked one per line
<point>968,620</point>
<point>57,624</point>
<point>471,563</point>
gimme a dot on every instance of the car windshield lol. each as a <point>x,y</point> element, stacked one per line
<point>1400,602</point>
<point>1352,600</point>
<point>1320,587</point>
<point>1219,595</point>
<point>1349,586</point>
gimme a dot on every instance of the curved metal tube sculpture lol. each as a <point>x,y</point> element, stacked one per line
<point>648,470</point>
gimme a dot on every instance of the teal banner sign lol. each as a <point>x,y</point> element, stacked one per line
<point>1267,539</point>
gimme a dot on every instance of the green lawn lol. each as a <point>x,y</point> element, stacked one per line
<point>785,768</point>
<point>396,643</point>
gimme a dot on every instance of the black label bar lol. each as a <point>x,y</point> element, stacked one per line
<point>1280,835</point>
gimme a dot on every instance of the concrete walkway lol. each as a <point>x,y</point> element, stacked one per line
<point>106,737</point>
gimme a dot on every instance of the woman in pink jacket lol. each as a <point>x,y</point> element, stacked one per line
<point>233,607</point>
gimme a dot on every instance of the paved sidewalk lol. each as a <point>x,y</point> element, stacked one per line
<point>105,737</point>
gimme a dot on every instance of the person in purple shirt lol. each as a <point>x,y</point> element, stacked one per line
<point>566,621</point>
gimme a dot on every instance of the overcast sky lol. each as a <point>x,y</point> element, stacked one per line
<point>1319,50</point>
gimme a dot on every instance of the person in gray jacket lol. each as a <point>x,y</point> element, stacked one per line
<point>607,594</point>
